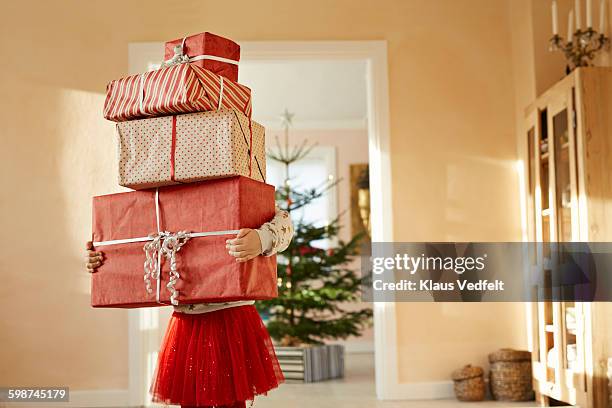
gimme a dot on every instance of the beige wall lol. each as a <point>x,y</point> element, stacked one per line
<point>452,95</point>
<point>454,161</point>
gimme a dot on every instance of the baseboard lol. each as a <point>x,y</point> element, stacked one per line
<point>100,398</point>
<point>421,391</point>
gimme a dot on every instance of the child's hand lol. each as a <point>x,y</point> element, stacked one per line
<point>93,259</point>
<point>245,246</point>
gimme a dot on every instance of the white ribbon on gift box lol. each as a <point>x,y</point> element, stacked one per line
<point>158,245</point>
<point>212,57</point>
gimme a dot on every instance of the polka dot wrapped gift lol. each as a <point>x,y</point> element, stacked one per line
<point>187,148</point>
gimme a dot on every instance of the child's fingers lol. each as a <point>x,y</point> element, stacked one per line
<point>93,258</point>
<point>236,248</point>
<point>243,232</point>
<point>246,257</point>
<point>236,241</point>
<point>245,253</point>
<point>238,254</point>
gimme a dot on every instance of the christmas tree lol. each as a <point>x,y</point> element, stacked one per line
<point>314,284</point>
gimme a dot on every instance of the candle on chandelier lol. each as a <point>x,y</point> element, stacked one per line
<point>578,11</point>
<point>570,26</point>
<point>589,11</point>
<point>602,16</point>
<point>555,18</point>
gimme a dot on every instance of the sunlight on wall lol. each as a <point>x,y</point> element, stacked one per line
<point>60,152</point>
<point>149,319</point>
<point>520,169</point>
<point>87,166</point>
<point>151,365</point>
<point>465,203</point>
<point>519,166</point>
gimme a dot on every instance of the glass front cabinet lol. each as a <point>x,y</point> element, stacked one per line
<point>567,157</point>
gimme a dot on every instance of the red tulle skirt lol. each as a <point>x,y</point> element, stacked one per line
<point>219,358</point>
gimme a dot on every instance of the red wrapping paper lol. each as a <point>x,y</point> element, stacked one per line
<point>182,88</point>
<point>208,274</point>
<point>208,44</point>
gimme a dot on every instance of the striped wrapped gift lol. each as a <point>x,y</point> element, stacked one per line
<point>182,88</point>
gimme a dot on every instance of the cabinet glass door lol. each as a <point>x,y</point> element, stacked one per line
<point>564,193</point>
<point>566,220</point>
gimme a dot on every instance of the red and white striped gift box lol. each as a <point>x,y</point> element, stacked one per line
<point>182,88</point>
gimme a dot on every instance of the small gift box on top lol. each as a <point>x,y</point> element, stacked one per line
<point>206,50</point>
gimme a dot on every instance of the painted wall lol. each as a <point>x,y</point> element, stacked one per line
<point>452,95</point>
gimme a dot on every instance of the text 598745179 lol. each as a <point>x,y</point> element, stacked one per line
<point>34,394</point>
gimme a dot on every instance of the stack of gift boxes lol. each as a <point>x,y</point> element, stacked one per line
<point>189,148</point>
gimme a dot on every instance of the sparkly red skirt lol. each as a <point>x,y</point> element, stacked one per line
<point>219,358</point>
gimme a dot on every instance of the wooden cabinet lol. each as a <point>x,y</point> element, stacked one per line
<point>568,163</point>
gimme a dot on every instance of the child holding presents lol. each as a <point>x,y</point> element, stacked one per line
<point>219,355</point>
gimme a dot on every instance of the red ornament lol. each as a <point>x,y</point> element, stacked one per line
<point>307,249</point>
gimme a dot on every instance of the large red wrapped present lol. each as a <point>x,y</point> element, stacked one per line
<point>179,88</point>
<point>178,233</point>
<point>176,149</point>
<point>206,50</point>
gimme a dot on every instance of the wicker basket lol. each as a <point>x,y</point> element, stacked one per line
<point>469,383</point>
<point>510,375</point>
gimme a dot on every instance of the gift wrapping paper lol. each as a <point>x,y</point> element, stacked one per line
<point>191,147</point>
<point>181,88</point>
<point>203,48</point>
<point>208,274</point>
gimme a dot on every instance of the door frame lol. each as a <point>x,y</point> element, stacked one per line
<point>374,53</point>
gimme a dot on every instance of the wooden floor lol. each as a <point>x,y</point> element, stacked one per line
<point>356,391</point>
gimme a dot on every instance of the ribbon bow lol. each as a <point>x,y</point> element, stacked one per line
<point>164,244</point>
<point>178,58</point>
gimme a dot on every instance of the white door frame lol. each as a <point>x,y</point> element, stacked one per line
<point>374,53</point>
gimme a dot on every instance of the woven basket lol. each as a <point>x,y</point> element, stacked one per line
<point>469,383</point>
<point>510,375</point>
